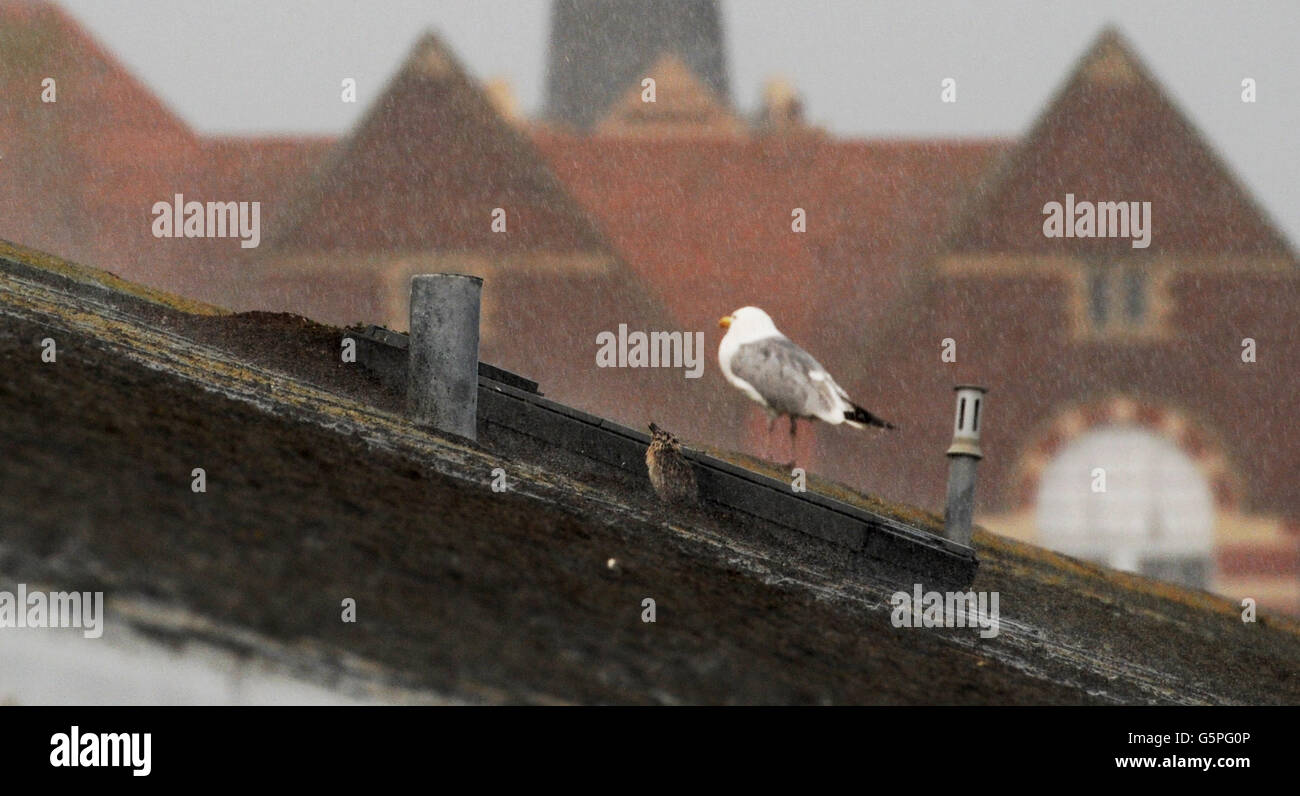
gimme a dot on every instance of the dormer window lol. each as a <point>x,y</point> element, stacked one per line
<point>1135,295</point>
<point>1099,297</point>
<point>1119,300</point>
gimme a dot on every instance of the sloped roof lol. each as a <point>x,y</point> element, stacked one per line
<point>697,217</point>
<point>424,170</point>
<point>82,174</point>
<point>272,171</point>
<point>692,218</point>
<point>1112,134</point>
<point>265,169</point>
<point>318,486</point>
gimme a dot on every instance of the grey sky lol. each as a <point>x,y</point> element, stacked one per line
<point>866,69</point>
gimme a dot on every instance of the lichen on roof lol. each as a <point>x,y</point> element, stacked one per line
<point>86,275</point>
<point>911,515</point>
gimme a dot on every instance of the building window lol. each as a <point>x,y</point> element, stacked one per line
<point>1118,299</point>
<point>1135,294</point>
<point>1098,297</point>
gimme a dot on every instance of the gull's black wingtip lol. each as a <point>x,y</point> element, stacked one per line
<point>860,415</point>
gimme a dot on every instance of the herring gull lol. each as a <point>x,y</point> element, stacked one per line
<point>781,377</point>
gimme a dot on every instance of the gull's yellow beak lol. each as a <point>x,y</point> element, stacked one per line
<point>725,321</point>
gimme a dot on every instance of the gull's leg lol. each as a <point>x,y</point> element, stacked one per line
<point>794,451</point>
<point>767,441</point>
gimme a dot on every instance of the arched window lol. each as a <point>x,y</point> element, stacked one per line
<point>1129,498</point>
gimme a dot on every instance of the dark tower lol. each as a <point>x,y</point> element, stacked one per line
<point>598,49</point>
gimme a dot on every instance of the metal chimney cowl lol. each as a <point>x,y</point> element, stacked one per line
<point>966,424</point>
<point>963,456</point>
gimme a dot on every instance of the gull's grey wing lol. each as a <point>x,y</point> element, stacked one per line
<point>788,378</point>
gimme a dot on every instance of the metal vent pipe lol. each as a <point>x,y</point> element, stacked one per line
<point>442,380</point>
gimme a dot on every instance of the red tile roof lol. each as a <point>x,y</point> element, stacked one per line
<point>706,222</point>
<point>270,170</point>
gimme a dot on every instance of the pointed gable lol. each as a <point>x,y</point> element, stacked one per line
<point>81,173</point>
<point>424,171</point>
<point>683,106</point>
<point>1111,134</point>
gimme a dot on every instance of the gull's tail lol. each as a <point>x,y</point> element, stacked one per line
<point>861,418</point>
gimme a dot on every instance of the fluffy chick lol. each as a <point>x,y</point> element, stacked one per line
<point>671,475</point>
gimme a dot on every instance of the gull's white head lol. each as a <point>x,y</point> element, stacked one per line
<point>748,323</point>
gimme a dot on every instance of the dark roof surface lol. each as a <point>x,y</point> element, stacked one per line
<point>319,490</point>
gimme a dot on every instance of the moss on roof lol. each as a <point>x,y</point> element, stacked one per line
<point>911,515</point>
<point>87,275</point>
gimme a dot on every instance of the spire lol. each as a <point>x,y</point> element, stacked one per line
<point>600,47</point>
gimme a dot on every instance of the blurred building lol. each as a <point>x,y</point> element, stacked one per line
<point>599,48</point>
<point>1125,422</point>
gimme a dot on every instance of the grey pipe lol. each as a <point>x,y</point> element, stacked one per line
<point>442,386</point>
<point>961,498</point>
